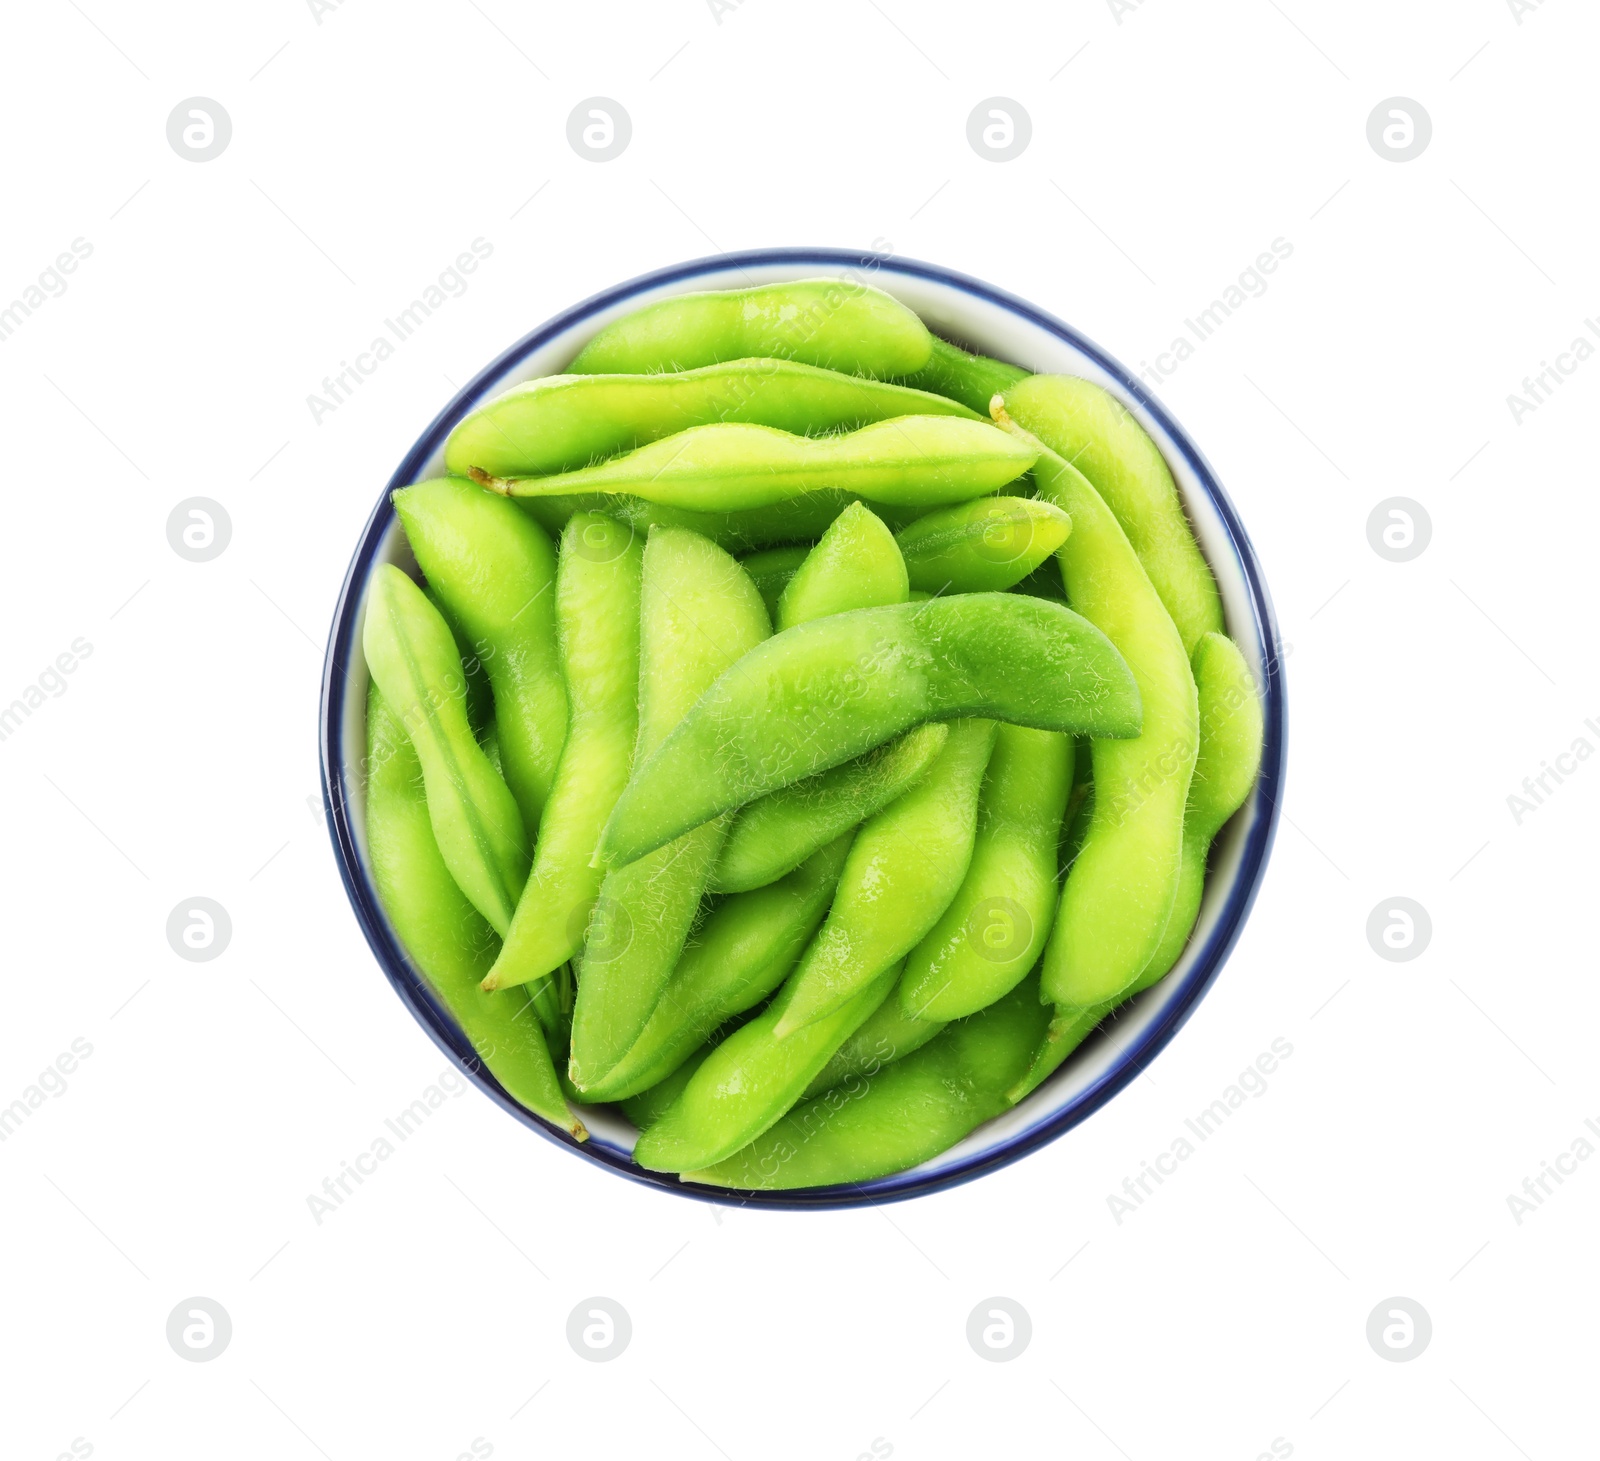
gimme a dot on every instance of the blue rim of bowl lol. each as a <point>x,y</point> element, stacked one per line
<point>1131,1061</point>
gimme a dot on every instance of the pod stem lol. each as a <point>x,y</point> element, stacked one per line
<point>502,485</point>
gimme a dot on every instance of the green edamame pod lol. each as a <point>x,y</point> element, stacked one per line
<point>905,866</point>
<point>573,1095</point>
<point>911,461</point>
<point>740,954</point>
<point>1066,1033</point>
<point>413,658</point>
<point>771,570</point>
<point>699,613</point>
<point>856,562</point>
<point>857,565</point>
<point>834,323</point>
<point>494,570</point>
<point>749,1081</point>
<point>1095,432</point>
<point>982,546</point>
<point>552,1002</point>
<point>480,697</point>
<point>1224,772</point>
<point>860,1130</point>
<point>597,633</point>
<point>887,1036</point>
<point>825,692</point>
<point>648,1107</point>
<point>1120,889</point>
<point>991,935</point>
<point>562,422</point>
<point>447,939</point>
<point>780,830</point>
<point>974,380</point>
<point>804,517</point>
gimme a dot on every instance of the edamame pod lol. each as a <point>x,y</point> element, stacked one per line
<point>887,1036</point>
<point>974,380</point>
<point>911,461</point>
<point>1097,434</point>
<point>648,1107</point>
<point>749,1081</point>
<point>905,866</point>
<point>982,546</point>
<point>834,323</point>
<point>552,1002</point>
<point>771,570</point>
<point>856,562</point>
<point>780,830</point>
<point>857,565</point>
<point>597,632</point>
<point>1224,772</point>
<point>476,822</point>
<point>991,935</point>
<point>860,1130</point>
<point>805,517</point>
<point>1068,1030</point>
<point>494,570</point>
<point>739,955</point>
<point>823,693</point>
<point>1120,889</point>
<point>444,936</point>
<point>699,613</point>
<point>479,697</point>
<point>562,422</point>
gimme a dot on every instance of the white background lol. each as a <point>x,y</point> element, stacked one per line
<point>1169,149</point>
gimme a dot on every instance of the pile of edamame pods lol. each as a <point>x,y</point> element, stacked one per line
<point>805,734</point>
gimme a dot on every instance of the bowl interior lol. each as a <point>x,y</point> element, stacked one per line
<point>981,318</point>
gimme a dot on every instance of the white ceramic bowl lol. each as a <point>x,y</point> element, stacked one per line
<point>982,318</point>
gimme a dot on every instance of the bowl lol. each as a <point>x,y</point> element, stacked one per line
<point>982,318</point>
